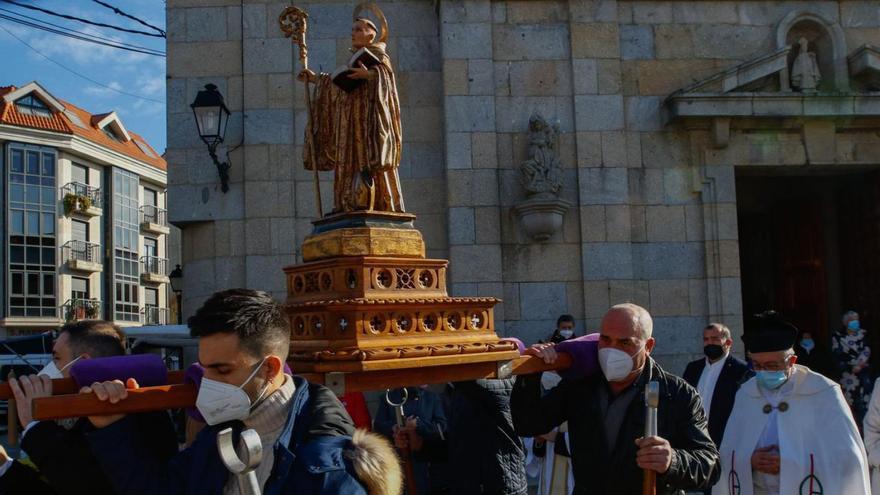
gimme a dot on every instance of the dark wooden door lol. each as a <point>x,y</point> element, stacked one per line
<point>799,252</point>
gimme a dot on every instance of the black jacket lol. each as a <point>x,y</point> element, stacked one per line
<point>734,373</point>
<point>65,459</point>
<point>681,421</point>
<point>485,455</point>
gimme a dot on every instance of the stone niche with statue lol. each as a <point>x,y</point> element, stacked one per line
<point>365,297</point>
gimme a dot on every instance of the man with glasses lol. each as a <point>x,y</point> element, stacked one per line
<point>790,431</point>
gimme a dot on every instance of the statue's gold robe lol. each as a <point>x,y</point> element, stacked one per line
<point>358,136</point>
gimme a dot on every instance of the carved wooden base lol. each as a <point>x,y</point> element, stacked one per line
<point>367,299</point>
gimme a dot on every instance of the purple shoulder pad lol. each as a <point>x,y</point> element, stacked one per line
<point>584,352</point>
<point>148,369</point>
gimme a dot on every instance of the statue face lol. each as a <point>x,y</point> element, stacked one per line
<point>361,34</point>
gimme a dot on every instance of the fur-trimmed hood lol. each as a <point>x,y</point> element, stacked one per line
<point>375,463</point>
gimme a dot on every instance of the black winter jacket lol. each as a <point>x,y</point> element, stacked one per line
<point>681,421</point>
<point>485,455</point>
<point>67,462</point>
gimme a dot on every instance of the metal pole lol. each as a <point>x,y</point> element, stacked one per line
<point>652,400</point>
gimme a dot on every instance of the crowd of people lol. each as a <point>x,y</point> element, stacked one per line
<point>765,425</point>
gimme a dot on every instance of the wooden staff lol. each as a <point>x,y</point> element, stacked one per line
<point>294,24</point>
<point>179,396</point>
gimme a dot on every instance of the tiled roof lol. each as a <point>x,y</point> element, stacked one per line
<point>60,122</point>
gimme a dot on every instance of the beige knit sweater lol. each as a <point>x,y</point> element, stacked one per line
<point>268,420</point>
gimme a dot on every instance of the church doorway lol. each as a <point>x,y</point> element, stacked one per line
<point>809,247</point>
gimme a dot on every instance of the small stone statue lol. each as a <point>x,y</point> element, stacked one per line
<point>805,74</point>
<point>541,174</point>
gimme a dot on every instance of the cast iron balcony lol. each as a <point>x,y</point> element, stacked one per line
<point>81,309</point>
<point>154,270</point>
<point>81,198</point>
<point>154,315</point>
<point>154,219</point>
<point>82,256</point>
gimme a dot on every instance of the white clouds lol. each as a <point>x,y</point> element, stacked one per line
<point>103,92</point>
<point>152,85</point>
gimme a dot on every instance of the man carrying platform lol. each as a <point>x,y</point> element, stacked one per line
<point>606,415</point>
<point>310,445</point>
<point>60,449</point>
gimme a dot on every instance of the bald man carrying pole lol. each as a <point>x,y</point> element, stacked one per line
<point>606,415</point>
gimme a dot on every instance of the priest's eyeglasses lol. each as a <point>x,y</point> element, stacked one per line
<point>770,365</point>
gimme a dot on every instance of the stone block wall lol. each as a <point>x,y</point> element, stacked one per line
<point>244,237</point>
<point>653,219</point>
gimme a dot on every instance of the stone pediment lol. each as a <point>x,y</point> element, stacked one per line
<point>864,67</point>
<point>745,76</point>
<point>760,88</point>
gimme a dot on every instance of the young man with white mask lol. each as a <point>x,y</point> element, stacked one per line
<point>606,413</point>
<point>309,442</point>
<point>60,449</point>
<point>790,431</point>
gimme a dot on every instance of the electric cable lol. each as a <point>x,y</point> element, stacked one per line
<point>79,19</point>
<point>123,14</point>
<point>144,50</point>
<point>42,22</point>
<point>68,69</point>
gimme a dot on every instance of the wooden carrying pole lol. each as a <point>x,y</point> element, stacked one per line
<point>65,386</point>
<point>179,396</point>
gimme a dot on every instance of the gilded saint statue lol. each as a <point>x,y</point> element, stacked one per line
<point>354,128</point>
<point>805,74</point>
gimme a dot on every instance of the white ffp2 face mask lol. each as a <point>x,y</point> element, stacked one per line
<point>52,371</point>
<point>616,364</point>
<point>219,402</point>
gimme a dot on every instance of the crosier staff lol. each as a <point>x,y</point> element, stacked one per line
<point>293,23</point>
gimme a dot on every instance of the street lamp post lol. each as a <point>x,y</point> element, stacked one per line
<point>212,116</point>
<point>176,277</point>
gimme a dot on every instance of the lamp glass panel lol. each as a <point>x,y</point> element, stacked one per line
<point>208,120</point>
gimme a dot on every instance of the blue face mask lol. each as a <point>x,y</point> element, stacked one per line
<point>853,325</point>
<point>771,380</point>
<point>808,344</point>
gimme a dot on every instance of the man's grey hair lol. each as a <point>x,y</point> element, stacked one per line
<point>642,320</point>
<point>725,332</point>
<point>848,315</point>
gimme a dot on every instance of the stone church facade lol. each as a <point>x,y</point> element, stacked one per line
<point>709,166</point>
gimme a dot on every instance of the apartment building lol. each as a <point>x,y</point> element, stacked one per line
<point>84,222</point>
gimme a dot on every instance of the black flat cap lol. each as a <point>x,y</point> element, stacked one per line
<point>770,333</point>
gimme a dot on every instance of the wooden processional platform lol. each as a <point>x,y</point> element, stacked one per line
<point>368,310</point>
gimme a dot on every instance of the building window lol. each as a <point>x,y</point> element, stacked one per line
<point>79,288</point>
<point>79,174</point>
<point>31,234</point>
<point>125,246</point>
<point>110,134</point>
<point>31,105</point>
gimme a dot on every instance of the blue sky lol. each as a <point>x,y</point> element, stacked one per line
<point>131,72</point>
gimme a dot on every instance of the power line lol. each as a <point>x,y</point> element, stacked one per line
<point>42,22</point>
<point>85,38</point>
<point>79,19</point>
<point>123,14</point>
<point>68,69</point>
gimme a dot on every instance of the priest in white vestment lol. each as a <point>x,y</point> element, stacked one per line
<point>791,431</point>
<point>553,470</point>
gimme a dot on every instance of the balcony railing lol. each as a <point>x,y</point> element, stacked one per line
<point>154,215</point>
<point>154,315</point>
<point>81,251</point>
<point>154,265</point>
<point>82,198</point>
<point>81,309</point>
